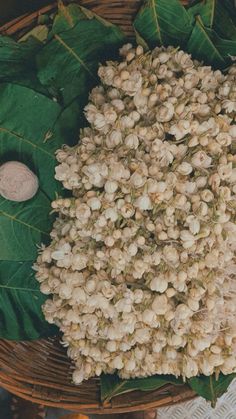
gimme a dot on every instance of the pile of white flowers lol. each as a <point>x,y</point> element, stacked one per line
<point>141,266</point>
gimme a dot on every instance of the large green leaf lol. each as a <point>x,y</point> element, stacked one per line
<point>162,22</point>
<point>202,47</point>
<point>68,16</point>
<point>223,22</point>
<point>32,128</point>
<point>70,59</point>
<point>112,385</point>
<point>230,6</point>
<point>39,32</point>
<point>206,9</point>
<point>209,387</point>
<point>23,227</point>
<point>206,29</point>
<point>21,317</point>
<point>16,58</point>
<point>18,64</point>
<point>225,47</point>
<point>214,16</point>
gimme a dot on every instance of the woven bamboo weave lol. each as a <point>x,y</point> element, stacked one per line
<point>40,371</point>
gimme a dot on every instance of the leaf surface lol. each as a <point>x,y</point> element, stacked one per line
<point>69,61</point>
<point>23,227</point>
<point>209,387</point>
<point>214,15</point>
<point>18,63</point>
<point>230,6</point>
<point>205,9</point>
<point>112,385</point>
<point>32,128</point>
<point>223,22</point>
<point>39,32</point>
<point>201,46</point>
<point>226,47</point>
<point>21,317</point>
<point>161,22</point>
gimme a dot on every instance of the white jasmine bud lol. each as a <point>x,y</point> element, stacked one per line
<point>94,203</point>
<point>187,238</point>
<point>160,304</point>
<point>117,363</point>
<point>148,316</point>
<point>184,168</point>
<point>207,195</point>
<point>143,203</point>
<point>130,365</point>
<point>114,139</point>
<point>111,186</point>
<point>201,159</point>
<point>132,249</point>
<point>165,112</point>
<point>201,181</point>
<point>137,180</point>
<point>131,141</point>
<point>158,284</point>
<point>110,214</point>
<point>194,224</point>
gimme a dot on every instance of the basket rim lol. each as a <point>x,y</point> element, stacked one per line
<point>41,372</point>
<point>110,10</point>
<point>23,21</point>
<point>103,408</point>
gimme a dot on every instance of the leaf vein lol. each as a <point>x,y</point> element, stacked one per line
<point>18,136</point>
<point>21,289</point>
<point>74,54</point>
<point>158,29</point>
<point>12,217</point>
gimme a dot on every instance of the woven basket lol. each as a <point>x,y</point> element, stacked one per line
<point>40,371</point>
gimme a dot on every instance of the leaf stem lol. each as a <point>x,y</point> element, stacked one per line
<point>213,395</point>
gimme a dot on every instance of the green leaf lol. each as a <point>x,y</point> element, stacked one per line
<point>17,62</point>
<point>112,385</point>
<point>206,9</point>
<point>214,16</point>
<point>209,387</point>
<point>69,61</point>
<point>21,317</point>
<point>23,227</point>
<point>161,22</point>
<point>230,6</point>
<point>223,22</point>
<point>32,128</point>
<point>67,17</point>
<point>140,41</point>
<point>27,121</point>
<point>202,47</point>
<point>225,47</point>
<point>39,32</point>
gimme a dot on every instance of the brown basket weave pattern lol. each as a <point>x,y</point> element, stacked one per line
<point>118,12</point>
<point>40,371</point>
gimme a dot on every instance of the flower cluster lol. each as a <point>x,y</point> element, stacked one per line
<point>141,266</point>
